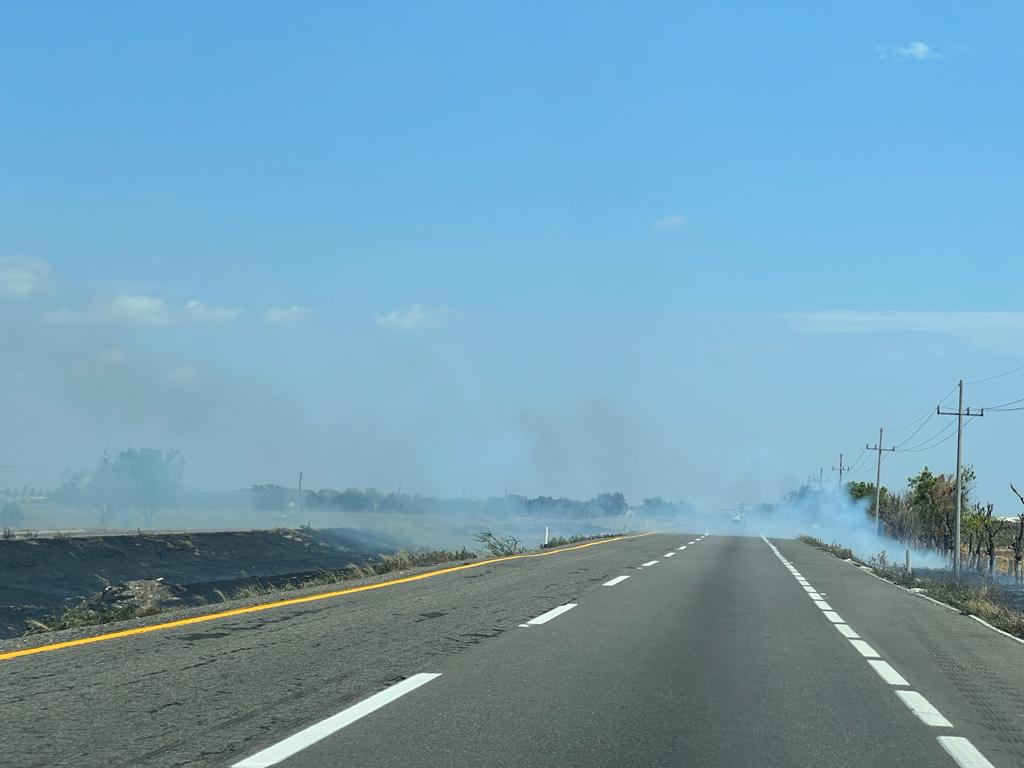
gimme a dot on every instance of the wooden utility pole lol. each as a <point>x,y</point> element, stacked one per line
<point>878,476</point>
<point>959,413</point>
<point>840,469</point>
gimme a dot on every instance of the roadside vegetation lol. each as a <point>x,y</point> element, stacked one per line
<point>88,616</point>
<point>561,541</point>
<point>499,546</point>
<point>843,553</point>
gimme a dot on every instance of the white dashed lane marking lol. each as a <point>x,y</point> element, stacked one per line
<point>616,580</point>
<point>885,671</point>
<point>921,707</point>
<point>864,649</point>
<point>544,618</point>
<point>846,630</point>
<point>318,731</point>
<point>965,753</point>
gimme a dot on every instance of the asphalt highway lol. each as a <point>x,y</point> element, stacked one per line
<point>665,650</point>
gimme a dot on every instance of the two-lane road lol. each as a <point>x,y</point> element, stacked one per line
<point>665,650</point>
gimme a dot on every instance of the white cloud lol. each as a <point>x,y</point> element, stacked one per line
<point>993,329</point>
<point>140,311</point>
<point>916,51</point>
<point>199,312</point>
<point>674,221</point>
<point>23,276</point>
<point>132,309</point>
<point>412,318</point>
<point>280,315</point>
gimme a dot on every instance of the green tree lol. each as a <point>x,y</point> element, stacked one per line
<point>140,481</point>
<point>932,499</point>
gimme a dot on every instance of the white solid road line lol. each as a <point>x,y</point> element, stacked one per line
<point>921,707</point>
<point>616,580</point>
<point>886,672</point>
<point>865,650</point>
<point>965,753</point>
<point>544,618</point>
<point>648,564</point>
<point>960,749</point>
<point>314,733</point>
<point>846,631</point>
<point>808,589</point>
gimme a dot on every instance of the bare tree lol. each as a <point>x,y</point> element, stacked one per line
<point>990,527</point>
<point>1017,543</point>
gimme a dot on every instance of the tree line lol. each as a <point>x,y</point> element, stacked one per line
<point>129,490</point>
<point>924,516</point>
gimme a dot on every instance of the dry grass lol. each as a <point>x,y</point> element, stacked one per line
<point>79,616</point>
<point>986,600</point>
<point>500,547</point>
<point>897,574</point>
<point>844,553</point>
<point>399,561</point>
<point>561,541</point>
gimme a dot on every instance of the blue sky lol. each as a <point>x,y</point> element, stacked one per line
<point>679,249</point>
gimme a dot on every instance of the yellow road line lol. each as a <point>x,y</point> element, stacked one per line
<point>296,600</point>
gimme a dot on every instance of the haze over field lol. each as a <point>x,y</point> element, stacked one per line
<point>624,259</point>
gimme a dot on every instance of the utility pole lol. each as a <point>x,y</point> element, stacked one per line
<point>878,475</point>
<point>841,468</point>
<point>821,477</point>
<point>959,413</point>
<point>298,506</point>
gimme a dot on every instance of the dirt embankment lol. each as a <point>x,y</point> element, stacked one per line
<point>44,575</point>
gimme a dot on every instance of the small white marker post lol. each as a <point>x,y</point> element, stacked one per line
<point>545,535</point>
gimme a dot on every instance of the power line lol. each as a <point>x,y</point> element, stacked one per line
<point>856,462</point>
<point>924,416</point>
<point>927,417</point>
<point>997,376</point>
<point>927,440</point>
<point>999,407</point>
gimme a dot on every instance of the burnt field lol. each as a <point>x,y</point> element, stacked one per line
<point>43,576</point>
